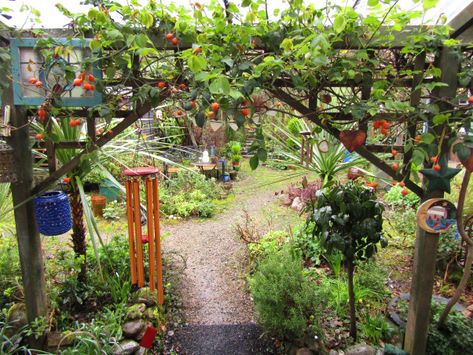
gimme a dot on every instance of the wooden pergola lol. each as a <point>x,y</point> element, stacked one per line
<point>426,244</point>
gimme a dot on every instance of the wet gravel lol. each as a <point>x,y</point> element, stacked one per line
<point>217,307</point>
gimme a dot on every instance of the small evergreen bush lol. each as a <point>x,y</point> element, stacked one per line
<point>285,299</point>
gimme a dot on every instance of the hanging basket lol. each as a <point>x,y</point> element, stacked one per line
<point>53,213</point>
<point>7,164</point>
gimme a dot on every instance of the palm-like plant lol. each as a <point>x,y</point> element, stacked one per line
<point>325,164</point>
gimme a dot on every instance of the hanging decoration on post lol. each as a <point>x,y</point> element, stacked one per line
<point>53,213</point>
<point>439,176</point>
<point>436,215</point>
<point>149,176</point>
<point>353,139</point>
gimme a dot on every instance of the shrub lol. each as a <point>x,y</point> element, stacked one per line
<point>394,197</point>
<point>270,243</point>
<point>308,244</point>
<point>285,299</point>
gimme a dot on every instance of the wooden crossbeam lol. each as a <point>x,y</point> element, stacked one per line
<point>119,128</point>
<point>362,151</point>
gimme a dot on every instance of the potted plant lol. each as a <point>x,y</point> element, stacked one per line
<point>236,155</point>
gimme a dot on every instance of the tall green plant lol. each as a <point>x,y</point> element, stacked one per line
<point>325,164</point>
<point>349,219</point>
<point>6,210</point>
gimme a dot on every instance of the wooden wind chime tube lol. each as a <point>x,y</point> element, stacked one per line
<point>135,234</point>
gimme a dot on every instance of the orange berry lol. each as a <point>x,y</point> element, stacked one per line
<point>384,131</point>
<point>418,139</point>
<point>67,180</point>
<point>385,124</point>
<point>434,159</point>
<point>91,78</point>
<point>394,152</point>
<point>402,184</point>
<point>197,50</point>
<point>395,166</point>
<point>110,131</point>
<point>38,84</point>
<point>92,87</point>
<point>245,111</point>
<point>405,192</point>
<point>41,114</point>
<point>32,80</point>
<point>175,41</point>
<point>394,183</point>
<point>254,42</point>
<point>377,124</point>
<point>193,104</point>
<point>182,86</point>
<point>215,106</point>
<point>87,87</point>
<point>179,112</point>
<point>161,85</point>
<point>211,115</point>
<point>437,167</point>
<point>169,36</point>
<point>470,100</point>
<point>77,82</point>
<point>39,137</point>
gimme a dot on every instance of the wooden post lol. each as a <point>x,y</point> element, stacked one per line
<point>151,243</point>
<point>29,241</point>
<point>418,318</point>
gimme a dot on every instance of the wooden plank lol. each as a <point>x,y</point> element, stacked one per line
<point>29,241</point>
<point>91,130</point>
<point>418,317</point>
<point>419,65</point>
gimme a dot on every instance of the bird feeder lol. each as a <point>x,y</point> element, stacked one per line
<point>149,177</point>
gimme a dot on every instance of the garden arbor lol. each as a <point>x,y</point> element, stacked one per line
<point>354,76</point>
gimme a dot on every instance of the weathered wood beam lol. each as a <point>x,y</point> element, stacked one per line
<point>362,151</point>
<point>27,234</point>
<point>418,317</point>
<point>119,128</point>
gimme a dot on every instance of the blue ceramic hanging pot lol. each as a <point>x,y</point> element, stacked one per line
<point>53,213</point>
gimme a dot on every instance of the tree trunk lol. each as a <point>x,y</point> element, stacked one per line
<point>351,298</point>
<point>78,232</point>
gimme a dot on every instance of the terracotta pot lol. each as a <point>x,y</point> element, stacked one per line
<point>236,165</point>
<point>354,173</point>
<point>98,204</point>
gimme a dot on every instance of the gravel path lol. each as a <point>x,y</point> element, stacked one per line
<point>217,307</point>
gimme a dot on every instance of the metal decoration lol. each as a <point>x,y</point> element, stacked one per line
<point>7,164</point>
<point>323,146</point>
<point>436,215</point>
<point>5,130</point>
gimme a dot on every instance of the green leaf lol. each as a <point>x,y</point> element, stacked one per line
<point>373,2</point>
<point>254,162</point>
<point>428,138</point>
<point>262,154</point>
<point>430,4</point>
<point>220,85</point>
<point>440,118</point>
<point>196,63</point>
<point>462,151</point>
<point>340,22</point>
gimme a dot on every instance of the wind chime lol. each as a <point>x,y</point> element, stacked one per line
<point>136,238</point>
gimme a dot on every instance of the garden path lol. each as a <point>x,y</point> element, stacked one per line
<point>217,306</point>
